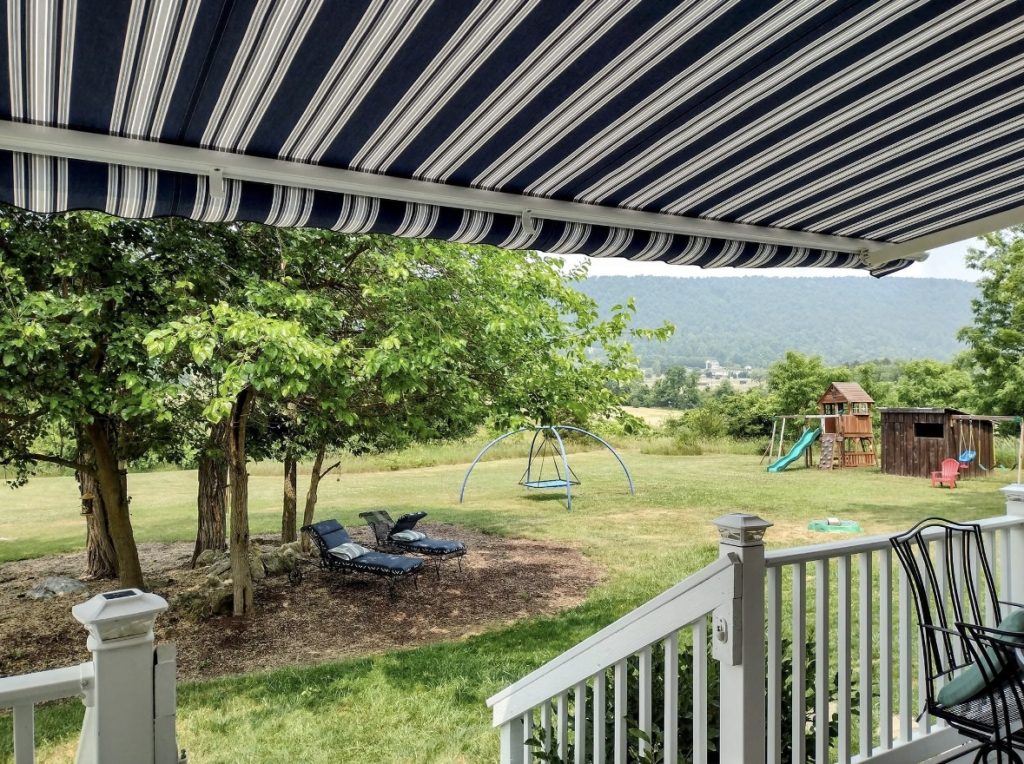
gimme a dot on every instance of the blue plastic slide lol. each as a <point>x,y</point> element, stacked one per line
<point>806,439</point>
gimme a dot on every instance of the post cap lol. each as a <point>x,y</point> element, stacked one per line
<point>741,529</point>
<point>119,614</point>
<point>1014,491</point>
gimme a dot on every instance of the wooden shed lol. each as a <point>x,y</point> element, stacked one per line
<point>915,441</point>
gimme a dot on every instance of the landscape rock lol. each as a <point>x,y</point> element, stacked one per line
<point>221,599</point>
<point>277,563</point>
<point>55,586</point>
<point>256,569</point>
<point>221,567</point>
<point>206,557</point>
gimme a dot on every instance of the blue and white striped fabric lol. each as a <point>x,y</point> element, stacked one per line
<point>880,121</point>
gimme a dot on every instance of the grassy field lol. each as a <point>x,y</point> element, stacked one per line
<point>427,704</point>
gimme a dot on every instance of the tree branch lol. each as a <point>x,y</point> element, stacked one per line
<point>332,467</point>
<point>30,457</point>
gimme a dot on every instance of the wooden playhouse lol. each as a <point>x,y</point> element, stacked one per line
<point>847,435</point>
<point>916,440</point>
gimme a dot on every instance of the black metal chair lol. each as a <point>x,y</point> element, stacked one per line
<point>328,534</point>
<point>951,584</point>
<point>435,550</point>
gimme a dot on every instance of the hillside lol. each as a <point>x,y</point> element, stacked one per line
<point>750,320</point>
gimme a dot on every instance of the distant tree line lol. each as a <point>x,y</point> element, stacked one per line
<point>986,378</point>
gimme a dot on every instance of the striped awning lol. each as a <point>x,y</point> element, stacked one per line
<point>708,132</point>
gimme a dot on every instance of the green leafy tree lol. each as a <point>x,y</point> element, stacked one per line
<point>797,381</point>
<point>996,337</point>
<point>80,292</point>
<point>932,384</point>
<point>370,343</point>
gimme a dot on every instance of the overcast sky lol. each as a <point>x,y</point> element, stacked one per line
<point>943,263</point>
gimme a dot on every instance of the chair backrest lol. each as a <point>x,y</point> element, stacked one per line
<point>950,468</point>
<point>381,523</point>
<point>327,534</point>
<point>408,521</point>
<point>951,581</point>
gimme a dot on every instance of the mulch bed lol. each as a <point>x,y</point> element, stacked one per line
<point>327,617</point>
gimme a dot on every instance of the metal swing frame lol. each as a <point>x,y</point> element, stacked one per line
<point>567,478</point>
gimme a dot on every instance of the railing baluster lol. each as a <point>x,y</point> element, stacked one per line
<point>773,614</point>
<point>600,699</point>
<point>885,648</point>
<point>865,684</point>
<point>1004,565</point>
<point>670,723</point>
<point>621,709</point>
<point>580,724</point>
<point>821,658</point>
<point>527,734</point>
<point>644,712</point>
<point>700,691</point>
<point>563,724</point>
<point>799,664</point>
<point>545,723</point>
<point>845,640</point>
<point>905,647</point>
<point>24,734</point>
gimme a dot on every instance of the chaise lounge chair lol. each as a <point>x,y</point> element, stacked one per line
<point>401,538</point>
<point>339,553</point>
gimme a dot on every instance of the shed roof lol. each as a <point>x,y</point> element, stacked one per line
<point>848,391</point>
<point>920,410</point>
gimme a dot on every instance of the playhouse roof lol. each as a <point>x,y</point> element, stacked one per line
<point>849,392</point>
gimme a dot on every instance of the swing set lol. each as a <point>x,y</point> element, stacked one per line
<point>549,450</point>
<point>968,447</point>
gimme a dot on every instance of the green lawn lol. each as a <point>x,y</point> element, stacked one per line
<point>427,704</point>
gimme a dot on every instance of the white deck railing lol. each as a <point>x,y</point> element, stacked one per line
<point>22,693</point>
<point>128,688</point>
<point>599,668</point>
<point>754,602</point>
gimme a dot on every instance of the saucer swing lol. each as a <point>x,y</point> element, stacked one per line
<point>549,451</point>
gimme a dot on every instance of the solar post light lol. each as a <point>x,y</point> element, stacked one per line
<point>119,715</point>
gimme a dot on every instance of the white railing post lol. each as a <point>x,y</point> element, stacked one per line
<point>739,639</point>
<point>1014,588</point>
<point>119,715</point>
<point>513,741</point>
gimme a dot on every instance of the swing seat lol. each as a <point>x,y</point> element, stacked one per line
<point>967,456</point>
<point>548,483</point>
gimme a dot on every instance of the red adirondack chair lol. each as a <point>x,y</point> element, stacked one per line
<point>947,476</point>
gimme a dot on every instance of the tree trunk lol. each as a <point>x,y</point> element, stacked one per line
<point>115,501</point>
<point>311,497</point>
<point>291,474</point>
<point>211,532</point>
<point>240,574</point>
<point>100,558</point>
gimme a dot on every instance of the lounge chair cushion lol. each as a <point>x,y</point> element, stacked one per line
<point>379,562</point>
<point>434,546</point>
<point>409,536</point>
<point>348,551</point>
<point>972,680</point>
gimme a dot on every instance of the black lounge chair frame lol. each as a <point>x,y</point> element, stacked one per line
<point>327,534</point>
<point>383,527</point>
<point>947,586</point>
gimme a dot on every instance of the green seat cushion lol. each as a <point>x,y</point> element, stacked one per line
<point>971,681</point>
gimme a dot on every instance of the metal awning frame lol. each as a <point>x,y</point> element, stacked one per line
<point>219,166</point>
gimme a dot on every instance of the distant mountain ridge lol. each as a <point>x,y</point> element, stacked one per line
<point>751,320</point>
